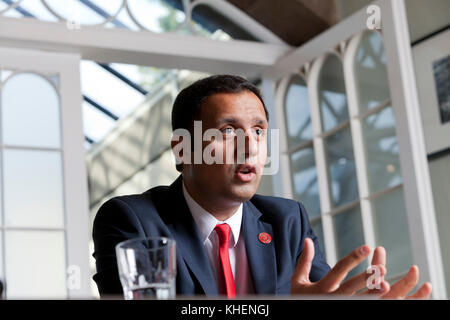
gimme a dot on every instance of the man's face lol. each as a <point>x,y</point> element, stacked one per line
<point>237,177</point>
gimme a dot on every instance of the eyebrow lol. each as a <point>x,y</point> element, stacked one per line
<point>256,120</point>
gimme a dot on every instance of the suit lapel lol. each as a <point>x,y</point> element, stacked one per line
<point>261,256</point>
<point>185,232</point>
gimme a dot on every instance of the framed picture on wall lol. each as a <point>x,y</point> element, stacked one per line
<point>432,65</point>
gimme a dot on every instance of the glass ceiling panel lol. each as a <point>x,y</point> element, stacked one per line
<point>4,5</point>
<point>209,22</point>
<point>33,7</point>
<point>84,11</point>
<point>107,90</point>
<point>37,9</point>
<point>11,14</point>
<point>96,124</point>
<point>153,15</point>
<point>146,77</point>
<point>125,20</point>
<point>158,15</point>
<point>103,87</point>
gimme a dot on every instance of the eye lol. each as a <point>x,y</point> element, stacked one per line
<point>259,131</point>
<point>227,130</point>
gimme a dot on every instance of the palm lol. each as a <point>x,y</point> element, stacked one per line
<point>332,282</point>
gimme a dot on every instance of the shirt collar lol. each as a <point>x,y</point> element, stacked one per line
<point>206,222</point>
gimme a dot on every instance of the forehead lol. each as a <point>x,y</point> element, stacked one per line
<point>238,105</point>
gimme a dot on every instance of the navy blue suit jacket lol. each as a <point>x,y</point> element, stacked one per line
<point>162,211</point>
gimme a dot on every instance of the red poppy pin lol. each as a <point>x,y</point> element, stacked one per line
<point>264,237</point>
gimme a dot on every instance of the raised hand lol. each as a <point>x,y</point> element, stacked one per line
<point>332,282</point>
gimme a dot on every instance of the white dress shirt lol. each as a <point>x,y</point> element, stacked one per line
<point>206,223</point>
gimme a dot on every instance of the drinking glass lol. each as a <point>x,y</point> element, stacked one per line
<point>147,268</point>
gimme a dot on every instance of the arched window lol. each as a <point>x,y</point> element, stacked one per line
<point>37,111</point>
<point>336,132</point>
<point>299,136</point>
<point>381,154</point>
<point>297,112</point>
<point>32,169</point>
<point>339,156</point>
<point>332,94</point>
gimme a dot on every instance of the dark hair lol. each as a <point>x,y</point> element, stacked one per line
<point>187,104</point>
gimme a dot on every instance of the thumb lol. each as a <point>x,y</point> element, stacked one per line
<point>303,268</point>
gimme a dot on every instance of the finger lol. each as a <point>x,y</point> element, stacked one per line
<point>401,288</point>
<point>334,277</point>
<point>303,267</point>
<point>384,288</point>
<point>423,293</point>
<point>360,281</point>
<point>379,256</point>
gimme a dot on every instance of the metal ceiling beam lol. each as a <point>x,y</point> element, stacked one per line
<point>143,48</point>
<point>100,107</point>
<point>126,80</point>
<point>88,139</point>
<point>102,13</point>
<point>116,22</point>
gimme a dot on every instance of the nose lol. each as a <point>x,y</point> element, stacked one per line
<point>251,145</point>
<point>246,146</point>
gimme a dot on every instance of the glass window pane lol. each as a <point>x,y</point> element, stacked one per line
<point>4,5</point>
<point>370,72</point>
<point>35,264</point>
<point>75,10</point>
<point>381,146</point>
<point>31,112</point>
<point>209,22</point>
<point>12,14</point>
<point>35,176</point>
<point>124,21</point>
<point>305,184</point>
<point>37,9</point>
<point>158,15</point>
<point>108,90</point>
<point>297,113</point>
<point>4,74</point>
<point>96,124</point>
<point>341,167</point>
<point>391,230</point>
<point>318,231</point>
<point>147,77</point>
<point>332,94</point>
<point>349,236</point>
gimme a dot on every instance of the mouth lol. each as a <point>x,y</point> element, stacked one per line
<point>246,173</point>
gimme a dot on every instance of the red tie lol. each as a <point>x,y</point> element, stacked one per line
<point>225,273</point>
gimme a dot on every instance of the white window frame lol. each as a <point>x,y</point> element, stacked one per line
<point>414,166</point>
<point>76,218</point>
<point>272,62</point>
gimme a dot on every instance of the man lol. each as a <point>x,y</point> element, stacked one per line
<point>229,240</point>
